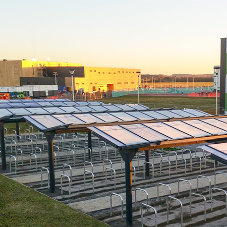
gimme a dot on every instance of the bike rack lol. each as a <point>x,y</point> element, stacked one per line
<point>187,181</point>
<point>216,176</point>
<point>185,165</point>
<point>138,160</point>
<point>159,163</point>
<point>15,145</point>
<point>93,178</point>
<point>48,174</point>
<point>166,160</point>
<point>32,154</point>
<point>14,134</point>
<point>89,150</point>
<point>144,170</point>
<point>168,203</point>
<point>40,151</point>
<point>35,136</point>
<point>108,160</point>
<point>204,204</point>
<point>57,147</point>
<point>73,156</point>
<point>15,163</point>
<point>190,155</point>
<point>86,162</point>
<point>143,190</point>
<point>175,157</point>
<point>28,139</point>
<point>111,169</point>
<point>148,207</point>
<point>200,162</point>
<point>66,176</point>
<point>100,148</point>
<point>70,169</point>
<point>21,152</point>
<point>113,193</point>
<point>219,189</point>
<point>159,184</point>
<point>202,176</point>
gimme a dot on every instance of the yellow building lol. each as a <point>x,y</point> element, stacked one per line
<point>23,72</point>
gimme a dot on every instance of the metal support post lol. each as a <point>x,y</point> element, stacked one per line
<point>50,136</point>
<point>3,150</point>
<point>147,158</point>
<point>89,146</point>
<point>18,130</point>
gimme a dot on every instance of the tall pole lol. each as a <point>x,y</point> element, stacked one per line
<point>175,85</point>
<point>138,87</point>
<point>216,94</point>
<point>73,88</point>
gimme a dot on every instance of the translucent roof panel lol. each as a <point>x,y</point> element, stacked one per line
<point>4,105</point>
<point>124,116</point>
<point>95,103</point>
<point>45,104</point>
<point>145,132</point>
<point>112,108</point>
<point>190,130</point>
<point>155,115</point>
<point>47,121</point>
<point>19,111</point>
<point>98,108</point>
<point>139,115</point>
<point>106,117</point>
<point>68,119</point>
<point>4,113</point>
<point>69,109</point>
<point>181,113</point>
<point>35,123</point>
<point>223,120</point>
<point>138,107</point>
<point>17,105</point>
<point>31,104</point>
<point>169,114</point>
<point>84,109</point>
<point>122,135</point>
<point>58,103</point>
<point>216,123</point>
<point>124,107</point>
<point>88,118</point>
<point>15,100</point>
<point>54,110</point>
<point>206,127</point>
<point>37,110</point>
<point>167,130</point>
<point>81,103</point>
<point>70,103</point>
<point>196,113</point>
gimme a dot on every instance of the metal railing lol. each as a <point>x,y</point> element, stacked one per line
<point>70,170</point>
<point>113,193</point>
<point>148,207</point>
<point>111,170</point>
<point>204,198</point>
<point>66,176</point>
<point>10,163</point>
<point>219,189</point>
<point>48,175</point>
<point>93,178</point>
<point>32,154</point>
<point>142,190</point>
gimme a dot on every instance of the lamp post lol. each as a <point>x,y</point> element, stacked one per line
<point>71,71</point>
<point>138,87</point>
<point>55,78</point>
<point>216,78</point>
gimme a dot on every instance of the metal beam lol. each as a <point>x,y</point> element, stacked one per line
<point>3,149</point>
<point>89,146</point>
<point>223,76</point>
<point>18,130</point>
<point>147,158</point>
<point>50,136</point>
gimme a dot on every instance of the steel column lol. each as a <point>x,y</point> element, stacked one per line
<point>89,146</point>
<point>147,158</point>
<point>17,130</point>
<point>3,149</point>
<point>223,76</point>
<point>50,136</point>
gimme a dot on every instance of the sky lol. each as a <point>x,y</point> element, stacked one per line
<point>156,36</point>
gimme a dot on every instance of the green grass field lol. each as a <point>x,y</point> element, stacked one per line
<point>22,206</point>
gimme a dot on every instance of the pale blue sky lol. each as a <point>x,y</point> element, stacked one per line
<point>156,36</point>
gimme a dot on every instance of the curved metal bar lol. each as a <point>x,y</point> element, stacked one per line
<point>165,160</point>
<point>159,184</point>
<point>219,189</point>
<point>168,203</point>
<point>32,154</point>
<point>185,164</point>
<point>40,151</point>
<point>148,207</point>
<point>202,176</point>
<point>73,156</point>
<point>100,148</point>
<point>111,169</point>
<point>113,193</point>
<point>159,162</point>
<point>143,190</point>
<point>175,157</point>
<point>15,163</point>
<point>187,181</point>
<point>87,162</point>
<point>48,174</point>
<point>21,152</point>
<point>63,175</point>
<point>70,169</point>
<point>204,198</point>
<point>106,160</point>
<point>93,178</point>
<point>225,174</point>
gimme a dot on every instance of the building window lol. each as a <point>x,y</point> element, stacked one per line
<point>109,72</point>
<point>122,71</point>
<point>103,72</point>
<point>119,72</point>
<point>95,71</point>
<point>118,82</point>
<point>114,72</point>
<point>98,72</point>
<point>90,83</point>
<point>125,82</point>
<point>129,71</point>
<point>126,71</point>
<point>132,82</point>
<point>82,83</point>
<point>90,70</point>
